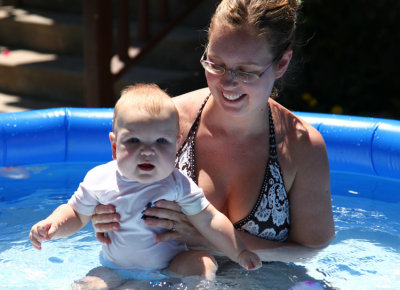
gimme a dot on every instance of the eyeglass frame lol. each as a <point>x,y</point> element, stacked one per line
<point>232,71</point>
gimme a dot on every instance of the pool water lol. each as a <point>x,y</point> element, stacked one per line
<point>364,255</point>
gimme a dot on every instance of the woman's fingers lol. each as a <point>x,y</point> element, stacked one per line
<point>179,231</point>
<point>105,218</point>
<point>166,213</point>
<point>175,230</point>
<point>171,205</point>
<point>161,223</point>
<point>104,209</point>
<point>170,217</point>
<point>170,236</point>
<point>101,237</point>
<point>105,227</point>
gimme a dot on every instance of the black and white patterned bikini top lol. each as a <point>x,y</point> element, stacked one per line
<point>269,218</point>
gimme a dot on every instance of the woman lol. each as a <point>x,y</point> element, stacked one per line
<point>259,164</point>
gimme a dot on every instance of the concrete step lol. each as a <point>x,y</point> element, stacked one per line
<point>17,103</point>
<point>62,33</point>
<point>41,30</point>
<point>45,76</point>
<point>41,75</point>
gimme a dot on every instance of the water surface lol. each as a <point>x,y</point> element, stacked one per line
<point>364,255</point>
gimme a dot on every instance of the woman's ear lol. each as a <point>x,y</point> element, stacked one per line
<point>284,63</point>
<point>113,145</point>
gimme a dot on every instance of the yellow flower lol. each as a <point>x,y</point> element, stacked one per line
<point>306,97</point>
<point>313,102</point>
<point>338,110</point>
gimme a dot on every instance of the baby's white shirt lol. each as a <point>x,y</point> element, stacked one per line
<point>134,245</point>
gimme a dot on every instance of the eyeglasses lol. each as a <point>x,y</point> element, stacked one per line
<point>239,75</point>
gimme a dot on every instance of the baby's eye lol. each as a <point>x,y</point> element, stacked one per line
<point>133,140</point>
<point>162,141</point>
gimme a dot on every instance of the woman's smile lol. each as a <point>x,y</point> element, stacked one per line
<point>232,97</point>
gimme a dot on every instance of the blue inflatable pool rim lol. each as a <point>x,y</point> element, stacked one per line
<point>355,144</point>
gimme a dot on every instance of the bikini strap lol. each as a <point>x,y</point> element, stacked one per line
<point>193,129</point>
<point>272,140</point>
<point>196,123</point>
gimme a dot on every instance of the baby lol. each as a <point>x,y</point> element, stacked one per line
<point>144,141</point>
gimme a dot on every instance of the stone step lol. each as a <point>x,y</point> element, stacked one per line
<point>41,30</point>
<point>62,33</point>
<point>46,76</point>
<point>18,103</point>
<point>41,75</point>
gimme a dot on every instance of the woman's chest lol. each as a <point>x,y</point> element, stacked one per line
<point>232,175</point>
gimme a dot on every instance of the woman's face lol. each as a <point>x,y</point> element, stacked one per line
<point>239,49</point>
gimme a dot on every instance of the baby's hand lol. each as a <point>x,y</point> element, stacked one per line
<point>249,260</point>
<point>42,231</point>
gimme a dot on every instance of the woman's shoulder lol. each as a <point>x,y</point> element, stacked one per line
<point>188,106</point>
<point>294,131</point>
<point>301,148</point>
<point>191,101</point>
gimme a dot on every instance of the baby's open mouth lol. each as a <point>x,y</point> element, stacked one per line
<point>146,166</point>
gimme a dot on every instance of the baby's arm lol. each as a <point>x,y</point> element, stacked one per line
<point>63,222</point>
<point>217,228</point>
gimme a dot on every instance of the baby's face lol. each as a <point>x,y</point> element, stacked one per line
<point>145,145</point>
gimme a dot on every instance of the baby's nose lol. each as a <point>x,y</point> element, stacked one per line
<point>147,151</point>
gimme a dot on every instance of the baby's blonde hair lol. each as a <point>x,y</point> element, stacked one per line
<point>148,97</point>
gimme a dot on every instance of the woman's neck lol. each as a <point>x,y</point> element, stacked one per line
<point>218,121</point>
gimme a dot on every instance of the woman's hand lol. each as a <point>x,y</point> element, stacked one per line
<point>105,220</point>
<point>179,228</point>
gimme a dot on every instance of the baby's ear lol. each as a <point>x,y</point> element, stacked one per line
<point>113,145</point>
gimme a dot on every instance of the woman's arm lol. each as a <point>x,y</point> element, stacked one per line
<point>169,213</point>
<point>309,196</point>
<point>272,251</point>
<point>171,216</point>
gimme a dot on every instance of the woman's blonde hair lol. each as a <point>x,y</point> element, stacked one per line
<point>273,19</point>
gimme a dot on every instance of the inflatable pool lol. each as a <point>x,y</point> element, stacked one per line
<point>45,153</point>
<point>355,144</point>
